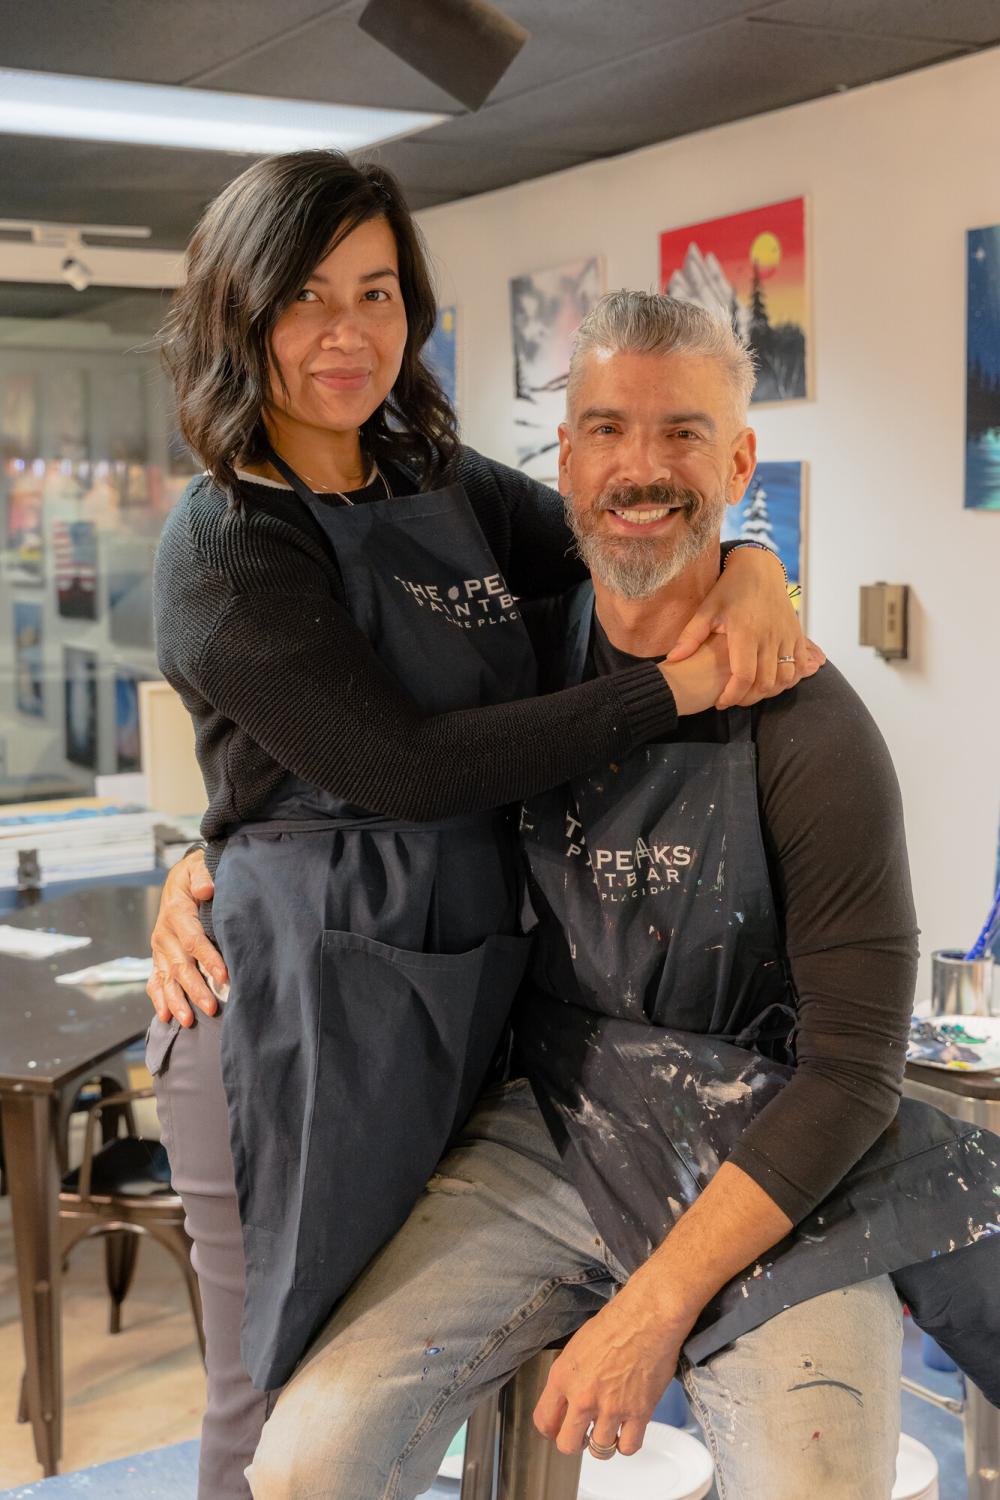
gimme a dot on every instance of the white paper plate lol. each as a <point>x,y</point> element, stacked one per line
<point>670,1465</point>
<point>916,1472</point>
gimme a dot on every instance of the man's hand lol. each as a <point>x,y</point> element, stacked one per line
<point>179,945</point>
<point>607,1381</point>
<point>750,606</point>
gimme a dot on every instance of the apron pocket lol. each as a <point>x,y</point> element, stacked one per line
<point>403,1043</point>
<point>159,1040</point>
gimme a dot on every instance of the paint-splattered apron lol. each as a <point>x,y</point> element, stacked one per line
<point>373,962</point>
<point>653,1024</point>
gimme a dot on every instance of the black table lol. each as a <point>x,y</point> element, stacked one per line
<point>52,1039</point>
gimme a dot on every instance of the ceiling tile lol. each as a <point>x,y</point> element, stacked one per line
<point>973,21</point>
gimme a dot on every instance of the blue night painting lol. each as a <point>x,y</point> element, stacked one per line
<point>439,352</point>
<point>982,408</point>
<point>771,513</point>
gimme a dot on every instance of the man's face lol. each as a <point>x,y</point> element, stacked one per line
<point>651,454</point>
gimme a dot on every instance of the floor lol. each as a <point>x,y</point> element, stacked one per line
<point>143,1388</point>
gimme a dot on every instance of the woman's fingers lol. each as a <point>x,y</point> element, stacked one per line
<point>743,663</point>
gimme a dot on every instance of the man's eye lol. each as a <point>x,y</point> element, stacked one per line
<point>604,429</point>
<point>685,432</point>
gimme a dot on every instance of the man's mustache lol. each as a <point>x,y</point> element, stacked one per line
<point>626,496</point>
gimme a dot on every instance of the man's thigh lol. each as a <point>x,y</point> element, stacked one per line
<point>498,1258</point>
<point>809,1403</point>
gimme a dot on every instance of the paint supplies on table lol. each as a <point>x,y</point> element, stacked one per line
<point>969,1044</point>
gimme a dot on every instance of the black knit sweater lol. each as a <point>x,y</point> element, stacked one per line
<point>252,631</point>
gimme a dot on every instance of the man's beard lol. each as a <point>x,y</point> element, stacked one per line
<point>634,567</point>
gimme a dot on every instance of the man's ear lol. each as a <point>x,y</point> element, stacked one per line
<point>565,449</point>
<point>743,464</point>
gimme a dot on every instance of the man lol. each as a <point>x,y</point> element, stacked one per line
<point>692,902</point>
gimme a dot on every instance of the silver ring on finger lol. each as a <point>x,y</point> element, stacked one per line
<point>603,1450</point>
<point>786,661</point>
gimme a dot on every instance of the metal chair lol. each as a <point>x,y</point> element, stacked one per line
<point>524,1465</point>
<point>121,1193</point>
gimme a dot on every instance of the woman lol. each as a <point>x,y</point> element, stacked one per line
<point>337,604</point>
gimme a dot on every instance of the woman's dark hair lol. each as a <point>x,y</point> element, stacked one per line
<point>252,252</point>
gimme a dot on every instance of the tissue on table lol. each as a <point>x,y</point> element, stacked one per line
<point>114,971</point>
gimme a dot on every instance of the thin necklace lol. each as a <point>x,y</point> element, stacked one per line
<point>374,473</point>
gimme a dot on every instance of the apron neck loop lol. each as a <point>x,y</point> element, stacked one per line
<point>305,494</point>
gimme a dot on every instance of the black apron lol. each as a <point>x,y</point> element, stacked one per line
<point>373,963</point>
<point>658,1020</point>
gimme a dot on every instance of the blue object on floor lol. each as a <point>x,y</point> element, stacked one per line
<point>163,1474</point>
<point>934,1356</point>
<point>672,1408</point>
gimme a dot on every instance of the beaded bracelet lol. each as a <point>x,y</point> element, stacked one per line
<point>761,547</point>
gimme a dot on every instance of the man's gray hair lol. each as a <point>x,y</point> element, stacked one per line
<point>629,322</point>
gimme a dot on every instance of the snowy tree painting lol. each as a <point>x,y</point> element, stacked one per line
<point>772,512</point>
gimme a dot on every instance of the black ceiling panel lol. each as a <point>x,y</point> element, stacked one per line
<point>124,311</point>
<point>595,78</point>
<point>144,40</point>
<point>972,21</point>
<point>739,70</point>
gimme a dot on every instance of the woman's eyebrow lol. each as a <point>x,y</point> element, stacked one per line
<point>368,276</point>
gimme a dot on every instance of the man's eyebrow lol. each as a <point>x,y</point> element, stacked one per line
<point>378,275</point>
<point>671,419</point>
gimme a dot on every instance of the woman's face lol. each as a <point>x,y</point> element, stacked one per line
<point>339,344</point>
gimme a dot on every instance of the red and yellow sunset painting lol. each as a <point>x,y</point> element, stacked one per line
<point>750,267</point>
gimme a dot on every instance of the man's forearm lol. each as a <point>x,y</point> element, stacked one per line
<point>731,1225</point>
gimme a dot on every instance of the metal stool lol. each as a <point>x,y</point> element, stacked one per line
<point>116,1195</point>
<point>527,1466</point>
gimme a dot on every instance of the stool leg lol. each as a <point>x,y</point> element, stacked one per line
<point>479,1468</point>
<point>982,1445</point>
<point>532,1468</point>
<point>121,1250</point>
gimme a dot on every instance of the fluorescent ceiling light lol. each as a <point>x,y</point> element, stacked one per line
<point>148,114</point>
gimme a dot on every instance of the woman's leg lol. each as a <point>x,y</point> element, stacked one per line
<point>194,1125</point>
<point>807,1404</point>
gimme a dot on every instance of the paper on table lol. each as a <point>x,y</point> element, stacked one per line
<point>28,942</point>
<point>114,971</point>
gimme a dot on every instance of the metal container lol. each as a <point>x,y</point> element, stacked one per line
<point>961,986</point>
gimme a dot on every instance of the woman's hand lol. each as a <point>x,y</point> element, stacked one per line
<point>750,606</point>
<point>179,945</point>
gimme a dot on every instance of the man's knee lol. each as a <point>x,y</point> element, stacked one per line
<point>338,1443</point>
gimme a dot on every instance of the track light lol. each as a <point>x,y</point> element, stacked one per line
<point>76,273</point>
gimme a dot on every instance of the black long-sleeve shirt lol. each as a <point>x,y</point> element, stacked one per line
<point>253,632</point>
<point>832,824</point>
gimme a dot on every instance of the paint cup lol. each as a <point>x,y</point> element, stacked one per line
<point>961,986</point>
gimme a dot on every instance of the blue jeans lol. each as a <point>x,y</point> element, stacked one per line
<point>498,1259</point>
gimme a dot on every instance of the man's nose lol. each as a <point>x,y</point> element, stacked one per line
<point>642,464</point>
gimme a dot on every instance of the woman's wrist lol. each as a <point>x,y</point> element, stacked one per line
<point>745,545</point>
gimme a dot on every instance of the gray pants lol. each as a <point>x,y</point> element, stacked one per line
<point>194,1124</point>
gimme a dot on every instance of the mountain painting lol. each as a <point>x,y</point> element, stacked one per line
<point>546,309</point>
<point>772,512</point>
<point>750,268</point>
<point>982,401</point>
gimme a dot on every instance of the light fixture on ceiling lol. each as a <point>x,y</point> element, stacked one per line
<point>145,114</point>
<point>69,238</point>
<point>76,273</point>
<point>464,46</point>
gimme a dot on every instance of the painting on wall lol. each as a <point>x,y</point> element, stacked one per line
<point>80,688</point>
<point>18,416</point>
<point>127,747</point>
<point>74,563</point>
<point>750,268</point>
<point>24,544</point>
<point>982,404</point>
<point>118,416</point>
<point>66,397</point>
<point>773,512</point>
<point>440,352</point>
<point>28,668</point>
<point>546,308</point>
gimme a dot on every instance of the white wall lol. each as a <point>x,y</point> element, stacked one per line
<point>895,174</point>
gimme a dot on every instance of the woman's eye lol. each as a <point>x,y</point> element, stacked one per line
<point>306,295</point>
<point>375,294</point>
